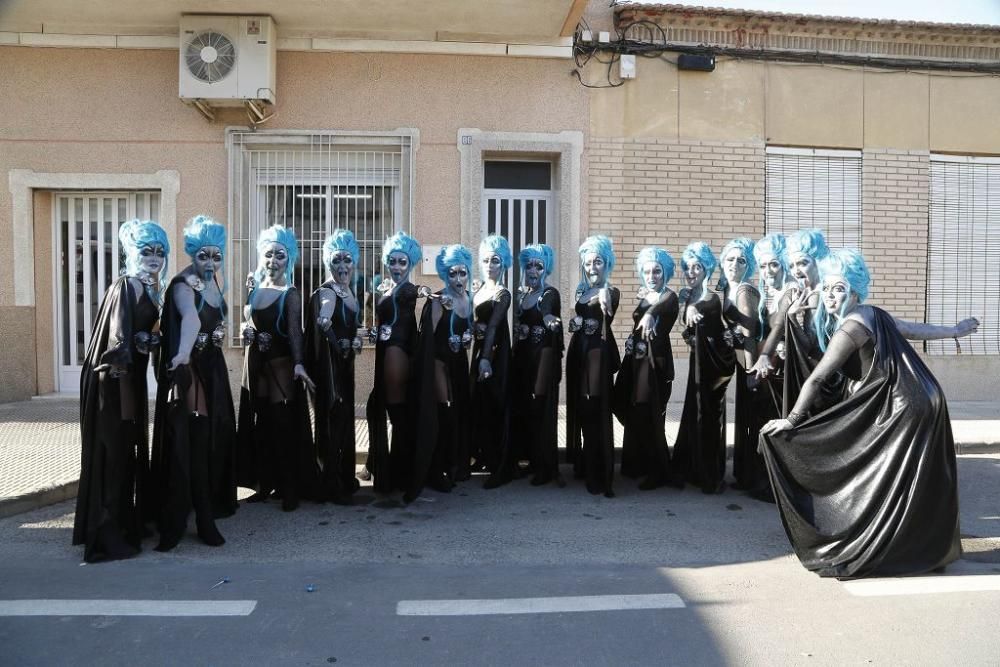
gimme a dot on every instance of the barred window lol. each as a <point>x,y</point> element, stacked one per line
<point>813,187</point>
<point>314,183</point>
<point>963,249</point>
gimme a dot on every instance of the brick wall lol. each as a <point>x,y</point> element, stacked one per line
<point>895,191</point>
<point>663,192</point>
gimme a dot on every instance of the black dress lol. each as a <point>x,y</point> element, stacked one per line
<point>330,360</point>
<point>802,353</point>
<point>644,447</point>
<point>590,442</point>
<point>274,439</point>
<point>115,451</point>
<point>442,428</point>
<point>193,463</point>
<point>869,485</point>
<point>396,326</point>
<point>534,425</point>
<point>700,450</point>
<point>490,398</point>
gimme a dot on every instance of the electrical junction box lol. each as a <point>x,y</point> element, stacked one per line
<point>626,66</point>
<point>428,267</point>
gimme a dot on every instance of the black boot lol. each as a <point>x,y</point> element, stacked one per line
<point>394,474</point>
<point>284,442</point>
<point>200,436</point>
<point>440,478</point>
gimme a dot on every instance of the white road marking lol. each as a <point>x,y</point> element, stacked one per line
<point>537,605</point>
<point>127,607</point>
<point>924,585</point>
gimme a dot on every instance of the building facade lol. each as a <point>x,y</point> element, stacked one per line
<point>465,118</point>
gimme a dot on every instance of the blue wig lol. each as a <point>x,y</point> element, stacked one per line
<point>771,245</point>
<point>284,237</point>
<point>599,245</point>
<point>661,257</point>
<point>404,243</point>
<point>452,255</point>
<point>342,240</point>
<point>539,251</point>
<point>496,245</point>
<point>745,246</point>
<point>699,252</point>
<point>849,264</point>
<point>202,231</point>
<point>806,242</point>
<point>135,235</point>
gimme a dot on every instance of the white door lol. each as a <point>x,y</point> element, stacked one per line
<point>518,205</point>
<point>86,261</point>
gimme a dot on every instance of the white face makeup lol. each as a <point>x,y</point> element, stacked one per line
<point>458,277</point>
<point>652,276</point>
<point>274,260</point>
<point>208,262</point>
<point>534,273</point>
<point>399,266</point>
<point>770,269</point>
<point>342,267</point>
<point>734,266</point>
<point>694,274</point>
<point>491,267</point>
<point>804,270</point>
<point>836,292</point>
<point>594,268</point>
<point>152,258</point>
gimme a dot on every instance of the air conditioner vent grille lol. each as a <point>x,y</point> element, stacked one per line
<point>210,56</point>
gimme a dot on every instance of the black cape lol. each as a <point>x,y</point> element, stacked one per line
<point>869,486</point>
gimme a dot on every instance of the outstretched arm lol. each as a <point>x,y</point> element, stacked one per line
<point>922,331</point>
<point>190,324</point>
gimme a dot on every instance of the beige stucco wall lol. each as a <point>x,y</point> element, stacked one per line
<point>117,111</point>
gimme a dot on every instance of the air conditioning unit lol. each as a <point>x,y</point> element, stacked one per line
<point>227,60</point>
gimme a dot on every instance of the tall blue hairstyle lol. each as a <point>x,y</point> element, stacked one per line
<point>342,240</point>
<point>202,231</point>
<point>539,251</point>
<point>849,264</point>
<point>496,245</point>
<point>404,243</point>
<point>771,245</point>
<point>745,246</point>
<point>135,235</point>
<point>599,245</point>
<point>699,252</point>
<point>286,238</point>
<point>451,255</point>
<point>807,242</point>
<point>661,257</point>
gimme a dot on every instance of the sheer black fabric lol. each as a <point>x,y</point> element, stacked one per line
<point>536,370</point>
<point>113,428</point>
<point>642,390</point>
<point>391,469</point>
<point>330,363</point>
<point>700,450</point>
<point>491,398</point>
<point>274,439</point>
<point>193,462</point>
<point>869,485</point>
<point>592,360</point>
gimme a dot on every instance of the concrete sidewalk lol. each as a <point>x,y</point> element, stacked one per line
<point>40,445</point>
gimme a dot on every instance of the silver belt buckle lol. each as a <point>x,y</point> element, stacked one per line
<point>629,345</point>
<point>522,331</point>
<point>590,326</point>
<point>201,341</point>
<point>249,335</point>
<point>219,335</point>
<point>455,343</point>
<point>640,349</point>
<point>466,339</point>
<point>385,332</point>
<point>537,334</point>
<point>142,342</point>
<point>575,324</point>
<point>263,341</point>
<point>480,331</point>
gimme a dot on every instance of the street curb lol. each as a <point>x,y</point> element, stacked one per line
<point>57,494</point>
<point>35,499</point>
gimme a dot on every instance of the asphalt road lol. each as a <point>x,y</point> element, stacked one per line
<point>726,588</point>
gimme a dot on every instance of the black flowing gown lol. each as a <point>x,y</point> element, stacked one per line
<point>802,353</point>
<point>330,361</point>
<point>534,426</point>
<point>170,468</point>
<point>275,443</point>
<point>743,320</point>
<point>700,450</point>
<point>644,447</point>
<point>590,442</point>
<point>490,398</point>
<point>869,485</point>
<point>442,429</point>
<point>114,451</point>
<point>391,469</point>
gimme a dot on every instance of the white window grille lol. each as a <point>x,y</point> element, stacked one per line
<point>314,183</point>
<point>812,187</point>
<point>963,250</point>
<point>88,260</point>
